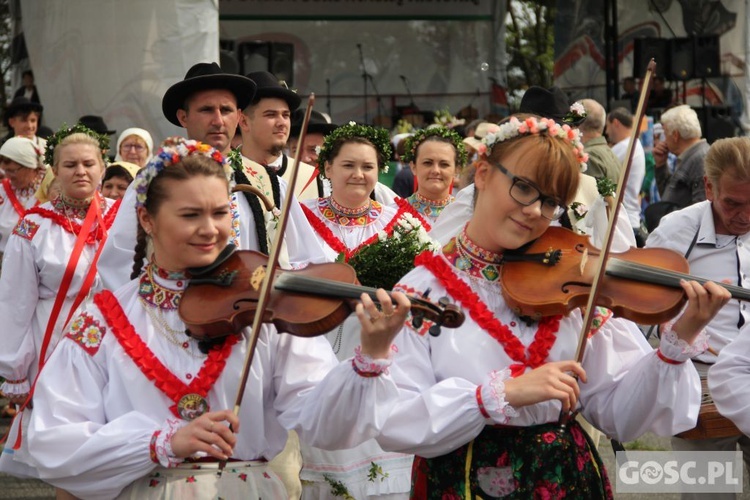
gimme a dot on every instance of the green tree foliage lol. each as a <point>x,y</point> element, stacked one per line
<point>530,41</point>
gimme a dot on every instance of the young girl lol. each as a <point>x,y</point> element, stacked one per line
<point>480,404</point>
<point>39,260</point>
<point>345,223</point>
<point>130,405</point>
<point>434,155</point>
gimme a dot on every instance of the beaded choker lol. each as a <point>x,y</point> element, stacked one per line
<point>439,203</point>
<point>467,256</point>
<point>156,295</point>
<point>73,207</point>
<point>429,208</point>
<point>343,211</point>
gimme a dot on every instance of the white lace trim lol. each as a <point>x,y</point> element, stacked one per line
<point>163,446</point>
<point>493,397</point>
<point>364,365</point>
<point>18,389</point>
<point>677,349</point>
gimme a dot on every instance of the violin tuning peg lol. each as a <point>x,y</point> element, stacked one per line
<point>434,330</point>
<point>416,321</point>
<point>444,301</point>
<point>426,293</point>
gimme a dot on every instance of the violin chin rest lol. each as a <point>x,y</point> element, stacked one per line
<point>224,255</point>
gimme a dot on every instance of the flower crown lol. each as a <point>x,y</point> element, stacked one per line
<point>379,138</point>
<point>55,139</point>
<point>172,151</point>
<point>533,125</point>
<point>413,142</point>
<point>577,113</point>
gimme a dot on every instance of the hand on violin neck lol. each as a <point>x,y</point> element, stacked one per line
<point>704,301</point>
<point>547,382</point>
<point>379,326</point>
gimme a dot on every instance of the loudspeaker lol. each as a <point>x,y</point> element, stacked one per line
<point>707,56</point>
<point>645,49</point>
<point>274,57</point>
<point>682,59</point>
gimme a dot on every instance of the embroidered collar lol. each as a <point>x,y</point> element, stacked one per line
<point>429,208</point>
<point>343,216</point>
<point>162,291</point>
<point>467,256</point>
<point>60,218</point>
<point>72,207</point>
<point>544,338</point>
<point>334,242</point>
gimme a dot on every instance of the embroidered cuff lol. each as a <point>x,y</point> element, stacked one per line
<point>160,447</point>
<point>15,387</point>
<point>675,349</point>
<point>365,366</point>
<point>491,398</point>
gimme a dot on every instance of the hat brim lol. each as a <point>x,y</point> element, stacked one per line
<point>19,108</point>
<point>291,98</point>
<point>313,128</point>
<point>175,96</point>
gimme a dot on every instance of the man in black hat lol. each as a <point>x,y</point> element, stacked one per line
<point>265,126</point>
<point>317,128</point>
<point>22,117</point>
<point>206,103</point>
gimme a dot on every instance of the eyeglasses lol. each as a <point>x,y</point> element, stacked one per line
<point>526,193</point>
<point>137,147</point>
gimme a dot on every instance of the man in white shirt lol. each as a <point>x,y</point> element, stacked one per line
<point>714,235</point>
<point>620,123</point>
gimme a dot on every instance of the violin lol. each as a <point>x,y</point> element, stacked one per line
<point>222,298</point>
<point>641,284</point>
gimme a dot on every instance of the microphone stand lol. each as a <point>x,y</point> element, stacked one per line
<point>328,96</point>
<point>377,95</point>
<point>408,92</point>
<point>365,76</point>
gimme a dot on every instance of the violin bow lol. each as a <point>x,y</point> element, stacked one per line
<point>601,268</point>
<point>273,258</point>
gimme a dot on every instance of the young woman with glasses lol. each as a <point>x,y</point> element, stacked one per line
<point>480,405</point>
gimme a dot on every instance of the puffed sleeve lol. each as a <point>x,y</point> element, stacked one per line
<point>19,295</point>
<point>76,446</point>
<point>631,389</point>
<point>729,381</point>
<point>116,260</point>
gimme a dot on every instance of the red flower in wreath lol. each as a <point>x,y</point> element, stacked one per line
<point>549,437</point>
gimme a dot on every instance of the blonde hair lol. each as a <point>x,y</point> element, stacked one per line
<point>728,155</point>
<point>77,138</point>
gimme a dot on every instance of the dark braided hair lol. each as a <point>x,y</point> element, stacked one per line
<point>189,167</point>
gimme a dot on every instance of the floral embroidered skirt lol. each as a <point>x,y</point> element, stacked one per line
<point>201,480</point>
<point>542,461</point>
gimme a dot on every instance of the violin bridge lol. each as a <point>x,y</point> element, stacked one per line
<point>584,258</point>
<point>256,279</point>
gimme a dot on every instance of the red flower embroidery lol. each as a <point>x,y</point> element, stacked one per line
<point>548,491</point>
<point>549,437</point>
<point>503,460</point>
<point>153,483</point>
<point>190,479</point>
<point>86,332</point>
<point>581,461</point>
<point>244,477</point>
<point>578,437</point>
<point>450,495</point>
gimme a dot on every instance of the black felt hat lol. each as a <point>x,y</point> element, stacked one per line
<point>549,103</point>
<point>317,124</point>
<point>96,123</point>
<point>21,104</point>
<point>270,86</point>
<point>205,76</point>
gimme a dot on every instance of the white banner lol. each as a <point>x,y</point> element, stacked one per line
<point>116,59</point>
<point>332,9</point>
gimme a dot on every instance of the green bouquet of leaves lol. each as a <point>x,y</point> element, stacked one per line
<point>385,261</point>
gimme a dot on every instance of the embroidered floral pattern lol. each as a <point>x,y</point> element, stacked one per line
<point>428,208</point>
<point>493,396</point>
<point>26,229</point>
<point>157,295</point>
<point>87,332</point>
<point>335,243</point>
<point>59,218</point>
<point>234,236</point>
<point>325,205</point>
<point>674,348</point>
<point>601,316</point>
